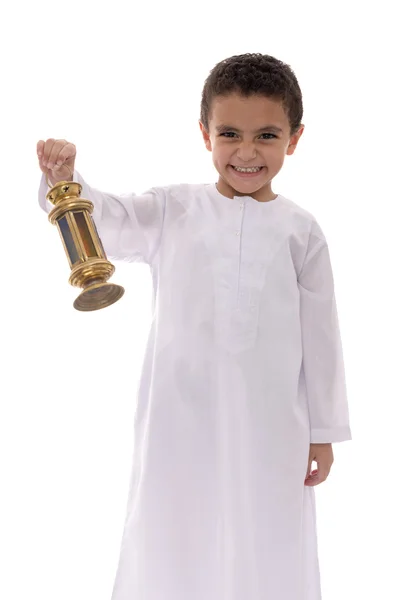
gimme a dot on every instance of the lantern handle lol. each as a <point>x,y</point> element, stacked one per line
<point>65,165</point>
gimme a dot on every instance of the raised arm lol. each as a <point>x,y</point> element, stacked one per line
<point>129,225</point>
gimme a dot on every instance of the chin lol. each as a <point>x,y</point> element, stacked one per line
<point>246,186</point>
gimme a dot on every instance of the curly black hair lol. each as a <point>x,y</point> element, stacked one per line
<point>254,74</point>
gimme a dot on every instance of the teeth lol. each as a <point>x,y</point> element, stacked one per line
<point>248,170</point>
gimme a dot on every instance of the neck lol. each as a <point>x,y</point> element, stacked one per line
<point>264,194</point>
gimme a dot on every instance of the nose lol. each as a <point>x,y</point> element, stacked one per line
<point>246,151</point>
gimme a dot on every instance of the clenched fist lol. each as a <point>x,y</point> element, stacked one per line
<point>55,156</point>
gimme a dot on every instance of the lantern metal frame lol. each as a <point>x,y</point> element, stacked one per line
<point>90,268</point>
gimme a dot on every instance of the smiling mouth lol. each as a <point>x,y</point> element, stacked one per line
<point>247,169</point>
<point>246,172</point>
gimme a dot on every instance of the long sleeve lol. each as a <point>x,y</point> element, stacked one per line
<point>129,226</point>
<point>323,363</point>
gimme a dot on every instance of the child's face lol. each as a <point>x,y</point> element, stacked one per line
<point>238,137</point>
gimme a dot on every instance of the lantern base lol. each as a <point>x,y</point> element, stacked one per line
<point>98,295</point>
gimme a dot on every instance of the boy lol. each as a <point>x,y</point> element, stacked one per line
<point>243,382</point>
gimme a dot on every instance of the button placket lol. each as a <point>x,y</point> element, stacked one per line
<point>241,208</point>
<point>240,292</point>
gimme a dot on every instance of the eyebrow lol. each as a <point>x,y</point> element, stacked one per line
<point>222,128</point>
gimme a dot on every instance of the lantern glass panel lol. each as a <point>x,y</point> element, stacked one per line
<point>85,234</point>
<point>68,240</point>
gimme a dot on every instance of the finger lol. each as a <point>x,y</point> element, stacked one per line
<point>312,479</point>
<point>311,482</point>
<point>47,151</point>
<point>320,476</point>
<point>312,460</point>
<point>68,151</point>
<point>55,151</point>
<point>312,474</point>
<point>40,148</point>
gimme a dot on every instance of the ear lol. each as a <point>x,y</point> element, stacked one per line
<point>294,140</point>
<point>206,136</point>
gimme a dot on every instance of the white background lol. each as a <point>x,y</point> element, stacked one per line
<point>123,81</point>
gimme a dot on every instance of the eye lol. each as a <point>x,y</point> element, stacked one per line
<point>273,135</point>
<point>231,134</point>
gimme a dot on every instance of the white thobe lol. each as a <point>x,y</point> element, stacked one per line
<point>242,371</point>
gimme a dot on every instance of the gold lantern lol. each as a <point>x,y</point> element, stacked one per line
<point>90,268</point>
